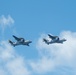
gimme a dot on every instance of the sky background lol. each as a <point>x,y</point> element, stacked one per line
<point>33,20</point>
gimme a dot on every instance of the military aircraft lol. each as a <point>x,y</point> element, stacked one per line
<point>54,39</point>
<point>20,41</point>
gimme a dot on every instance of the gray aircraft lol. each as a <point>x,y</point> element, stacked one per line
<point>20,41</point>
<point>54,39</point>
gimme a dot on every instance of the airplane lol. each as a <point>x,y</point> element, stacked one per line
<point>54,39</point>
<point>20,41</point>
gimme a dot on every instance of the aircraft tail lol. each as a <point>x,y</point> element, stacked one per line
<point>11,43</point>
<point>30,41</point>
<point>46,41</point>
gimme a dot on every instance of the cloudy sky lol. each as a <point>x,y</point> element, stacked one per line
<point>33,20</point>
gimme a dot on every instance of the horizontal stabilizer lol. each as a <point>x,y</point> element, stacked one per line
<point>11,43</point>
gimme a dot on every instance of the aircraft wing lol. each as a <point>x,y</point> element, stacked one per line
<point>53,37</point>
<point>18,39</point>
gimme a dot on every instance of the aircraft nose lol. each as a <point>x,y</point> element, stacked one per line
<point>30,41</point>
<point>65,40</point>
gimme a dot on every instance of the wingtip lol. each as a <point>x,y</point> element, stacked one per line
<point>13,35</point>
<point>9,40</point>
<point>49,34</point>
